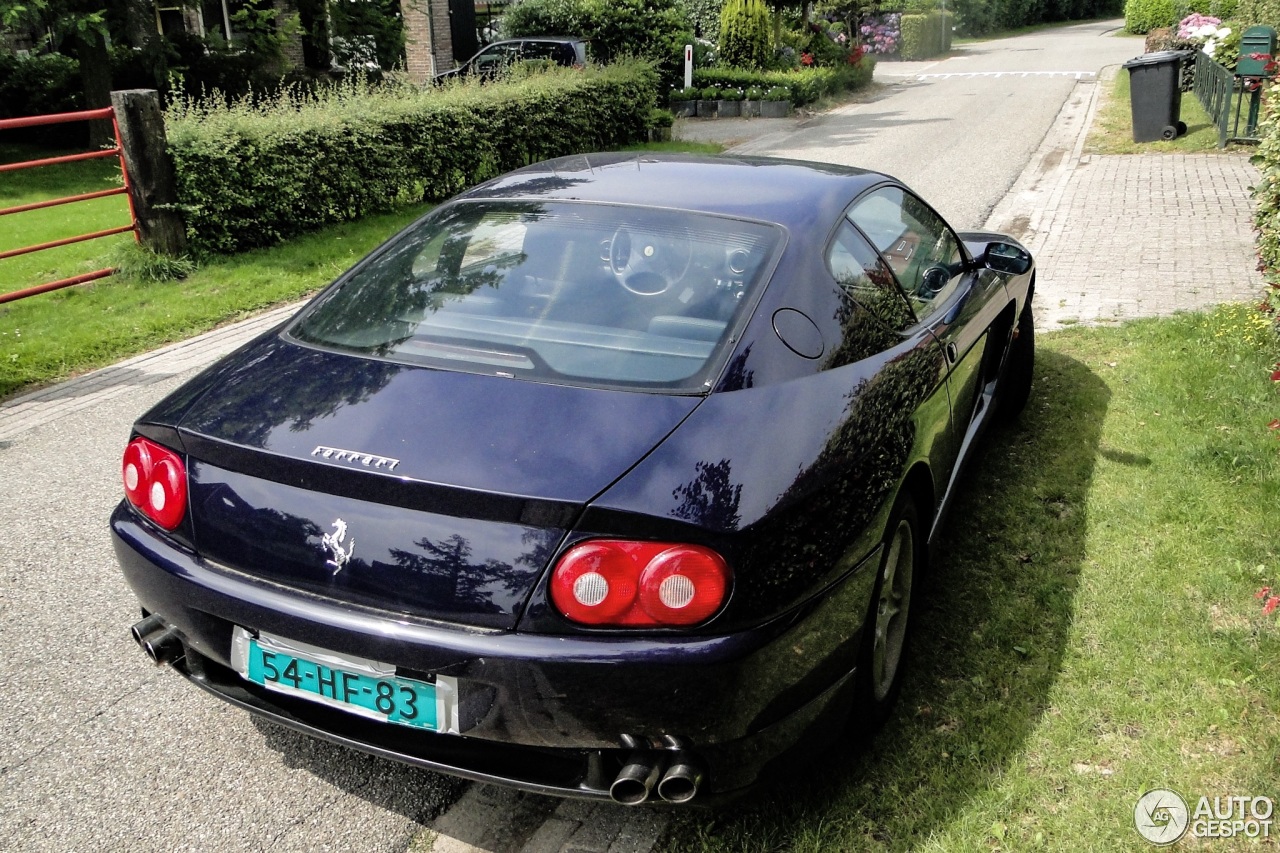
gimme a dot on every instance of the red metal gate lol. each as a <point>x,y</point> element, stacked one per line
<point>117,152</point>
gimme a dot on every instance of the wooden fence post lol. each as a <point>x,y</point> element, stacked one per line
<point>152,184</point>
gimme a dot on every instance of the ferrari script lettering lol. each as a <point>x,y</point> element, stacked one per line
<point>368,460</point>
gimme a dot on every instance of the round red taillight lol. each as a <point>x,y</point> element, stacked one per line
<point>625,584</point>
<point>155,481</point>
<point>594,583</point>
<point>683,585</point>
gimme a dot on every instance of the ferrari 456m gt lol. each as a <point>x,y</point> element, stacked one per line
<point>613,477</point>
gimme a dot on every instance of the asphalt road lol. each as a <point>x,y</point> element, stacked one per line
<point>101,751</point>
<point>959,131</point>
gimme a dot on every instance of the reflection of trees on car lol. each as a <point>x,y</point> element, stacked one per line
<point>835,499</point>
<point>710,499</point>
<point>297,394</point>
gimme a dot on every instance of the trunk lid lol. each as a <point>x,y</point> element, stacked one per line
<point>411,490</point>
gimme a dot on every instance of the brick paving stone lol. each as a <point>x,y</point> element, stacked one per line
<point>1118,237</point>
<point>1146,235</point>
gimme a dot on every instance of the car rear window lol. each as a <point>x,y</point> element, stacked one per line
<point>573,293</point>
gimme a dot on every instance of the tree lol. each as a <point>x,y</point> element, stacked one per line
<point>651,29</point>
<point>744,33</point>
<point>78,27</point>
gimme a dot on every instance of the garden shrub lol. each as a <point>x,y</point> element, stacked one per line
<point>705,17</point>
<point>826,46</point>
<point>1266,12</point>
<point>978,17</point>
<point>881,33</point>
<point>39,83</point>
<point>925,35</point>
<point>656,30</point>
<point>1266,193</point>
<point>744,33</point>
<point>1143,16</point>
<point>367,31</point>
<point>806,85</point>
<point>252,175</point>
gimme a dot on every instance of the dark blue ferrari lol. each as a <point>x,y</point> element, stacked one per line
<point>613,477</point>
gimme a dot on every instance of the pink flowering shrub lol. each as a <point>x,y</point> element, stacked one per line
<point>1197,27</point>
<point>881,33</point>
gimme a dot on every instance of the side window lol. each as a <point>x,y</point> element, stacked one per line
<point>540,50</point>
<point>495,58</point>
<point>865,279</point>
<point>918,246</point>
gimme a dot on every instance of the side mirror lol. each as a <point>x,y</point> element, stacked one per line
<point>1007,258</point>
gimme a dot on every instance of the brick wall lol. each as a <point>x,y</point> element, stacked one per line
<point>428,46</point>
<point>285,9</point>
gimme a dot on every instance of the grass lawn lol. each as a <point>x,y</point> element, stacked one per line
<point>1112,131</point>
<point>54,223</point>
<point>55,335</point>
<point>1091,630</point>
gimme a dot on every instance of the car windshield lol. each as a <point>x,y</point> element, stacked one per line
<point>573,293</point>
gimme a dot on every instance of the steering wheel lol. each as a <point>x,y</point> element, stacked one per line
<point>648,264</point>
<point>933,280</point>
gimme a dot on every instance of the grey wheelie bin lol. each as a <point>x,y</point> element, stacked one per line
<point>1155,95</point>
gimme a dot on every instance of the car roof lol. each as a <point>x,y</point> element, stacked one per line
<point>792,193</point>
<point>523,39</point>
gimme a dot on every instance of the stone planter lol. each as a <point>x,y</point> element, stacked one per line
<point>684,109</point>
<point>775,109</point>
<point>750,109</point>
<point>707,109</point>
<point>728,109</point>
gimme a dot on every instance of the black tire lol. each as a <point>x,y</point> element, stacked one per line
<point>882,658</point>
<point>1182,128</point>
<point>1169,132</point>
<point>1015,385</point>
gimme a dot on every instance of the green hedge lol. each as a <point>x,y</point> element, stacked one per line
<point>1266,192</point>
<point>39,84</point>
<point>977,17</point>
<point>745,38</point>
<point>806,84</point>
<point>1143,16</point>
<point>926,35</point>
<point>656,30</point>
<point>253,176</point>
<point>1259,12</point>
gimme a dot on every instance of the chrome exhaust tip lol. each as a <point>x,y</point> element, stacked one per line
<point>681,781</point>
<point>153,624</point>
<point>163,646</point>
<point>636,780</point>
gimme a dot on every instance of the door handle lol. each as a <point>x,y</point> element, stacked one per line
<point>953,352</point>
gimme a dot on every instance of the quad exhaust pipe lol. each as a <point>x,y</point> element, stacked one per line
<point>675,776</point>
<point>161,642</point>
<point>680,783</point>
<point>637,779</point>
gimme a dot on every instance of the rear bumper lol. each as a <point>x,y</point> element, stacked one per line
<point>550,714</point>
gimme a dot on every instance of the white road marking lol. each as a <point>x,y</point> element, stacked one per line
<point>1079,75</point>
